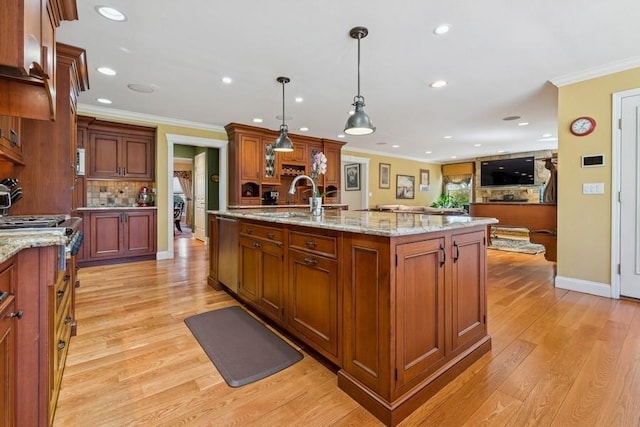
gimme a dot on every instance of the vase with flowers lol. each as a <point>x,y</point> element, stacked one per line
<point>318,167</point>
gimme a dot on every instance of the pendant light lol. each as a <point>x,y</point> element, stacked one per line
<point>283,143</point>
<point>359,123</point>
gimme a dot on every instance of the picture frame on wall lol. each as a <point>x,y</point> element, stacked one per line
<point>352,177</point>
<point>405,186</point>
<point>385,175</point>
<point>424,179</point>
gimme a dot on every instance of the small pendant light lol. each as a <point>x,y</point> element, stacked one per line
<point>283,143</point>
<point>359,123</point>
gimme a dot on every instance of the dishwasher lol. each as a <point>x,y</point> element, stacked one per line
<point>228,252</point>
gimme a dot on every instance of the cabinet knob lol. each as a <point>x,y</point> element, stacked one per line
<point>271,235</point>
<point>18,314</point>
<point>59,294</point>
<point>310,261</point>
<point>311,243</point>
<point>256,244</point>
<point>61,345</point>
<point>67,320</point>
<point>3,296</point>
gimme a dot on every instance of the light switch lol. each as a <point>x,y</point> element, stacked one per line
<point>593,188</point>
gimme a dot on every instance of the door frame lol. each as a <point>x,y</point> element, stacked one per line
<point>616,179</point>
<point>222,146</point>
<point>364,176</point>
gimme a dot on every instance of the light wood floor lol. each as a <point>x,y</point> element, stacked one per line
<point>559,358</point>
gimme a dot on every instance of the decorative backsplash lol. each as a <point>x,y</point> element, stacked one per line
<point>114,193</point>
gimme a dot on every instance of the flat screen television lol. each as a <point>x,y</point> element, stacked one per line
<point>516,171</point>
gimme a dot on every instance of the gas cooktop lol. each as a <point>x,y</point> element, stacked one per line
<point>32,221</point>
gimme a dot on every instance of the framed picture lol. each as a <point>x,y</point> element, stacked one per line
<point>405,186</point>
<point>352,177</point>
<point>424,176</point>
<point>385,175</point>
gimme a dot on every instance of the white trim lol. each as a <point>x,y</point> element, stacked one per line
<point>592,73</point>
<point>364,176</point>
<point>584,286</point>
<point>383,154</point>
<point>173,139</point>
<point>145,118</point>
<point>164,254</point>
<point>616,153</point>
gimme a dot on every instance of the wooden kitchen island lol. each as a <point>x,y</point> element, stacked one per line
<point>396,301</point>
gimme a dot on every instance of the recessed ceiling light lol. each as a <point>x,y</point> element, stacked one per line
<point>341,136</point>
<point>428,152</point>
<point>509,118</point>
<point>447,137</point>
<point>395,146</point>
<point>501,151</point>
<point>454,157</point>
<point>103,100</point>
<point>303,129</point>
<point>140,88</point>
<point>441,29</point>
<point>546,135</point>
<point>381,143</point>
<point>106,71</point>
<point>299,99</point>
<point>227,80</point>
<point>477,145</point>
<point>438,83</point>
<point>523,124</point>
<point>111,13</point>
<point>257,120</point>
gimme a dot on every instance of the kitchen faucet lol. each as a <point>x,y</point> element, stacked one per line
<point>316,202</point>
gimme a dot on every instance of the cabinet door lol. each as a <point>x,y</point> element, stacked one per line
<point>7,364</point>
<point>420,311</point>
<point>137,158</point>
<point>298,156</point>
<point>313,296</point>
<point>250,266</point>
<point>107,237</point>
<point>270,165</point>
<point>21,34</point>
<point>104,155</point>
<point>332,177</point>
<point>139,232</point>
<point>271,281</point>
<point>250,151</point>
<point>468,284</point>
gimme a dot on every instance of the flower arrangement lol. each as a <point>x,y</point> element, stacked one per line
<point>319,167</point>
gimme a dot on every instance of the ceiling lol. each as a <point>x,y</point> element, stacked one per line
<point>498,60</point>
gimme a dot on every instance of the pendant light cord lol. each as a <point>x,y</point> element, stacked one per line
<point>359,37</point>
<point>283,123</point>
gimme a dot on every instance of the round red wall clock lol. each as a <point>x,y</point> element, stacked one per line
<point>582,126</point>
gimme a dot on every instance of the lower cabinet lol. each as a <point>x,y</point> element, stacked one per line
<point>7,344</point>
<point>261,275</point>
<point>120,234</point>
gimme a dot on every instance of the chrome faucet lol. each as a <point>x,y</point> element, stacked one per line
<point>316,202</point>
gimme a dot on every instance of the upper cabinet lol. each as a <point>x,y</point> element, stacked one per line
<point>120,151</point>
<point>28,55</point>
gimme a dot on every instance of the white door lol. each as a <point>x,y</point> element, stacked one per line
<point>630,197</point>
<point>199,184</point>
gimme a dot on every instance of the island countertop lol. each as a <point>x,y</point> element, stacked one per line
<point>13,241</point>
<point>364,222</point>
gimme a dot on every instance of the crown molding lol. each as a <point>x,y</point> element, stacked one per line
<point>600,71</point>
<point>86,109</point>
<point>381,154</point>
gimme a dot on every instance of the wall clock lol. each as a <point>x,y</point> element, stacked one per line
<point>582,126</point>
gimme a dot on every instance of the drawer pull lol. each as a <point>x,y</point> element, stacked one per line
<point>18,314</point>
<point>443,259</point>
<point>67,278</point>
<point>249,231</point>
<point>60,294</point>
<point>456,252</point>
<point>3,296</point>
<point>67,320</point>
<point>311,243</point>
<point>61,345</point>
<point>310,261</point>
<point>271,235</point>
<point>256,244</point>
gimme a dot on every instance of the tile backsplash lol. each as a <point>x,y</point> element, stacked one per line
<point>118,193</point>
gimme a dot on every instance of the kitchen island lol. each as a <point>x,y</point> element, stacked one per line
<point>396,301</point>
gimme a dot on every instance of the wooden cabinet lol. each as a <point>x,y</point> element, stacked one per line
<point>48,170</point>
<point>271,163</point>
<point>261,278</point>
<point>125,235</point>
<point>8,321</point>
<point>121,152</point>
<point>332,178</point>
<point>10,139</point>
<point>296,157</point>
<point>249,150</point>
<point>27,56</point>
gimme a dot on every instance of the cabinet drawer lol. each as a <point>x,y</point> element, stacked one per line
<point>261,232</point>
<point>7,273</point>
<point>62,294</point>
<point>315,243</point>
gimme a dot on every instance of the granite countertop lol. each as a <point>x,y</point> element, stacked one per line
<point>375,223</point>
<point>13,241</point>
<point>118,207</point>
<point>305,206</point>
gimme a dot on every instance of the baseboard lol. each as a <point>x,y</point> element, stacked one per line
<point>584,286</point>
<point>164,255</point>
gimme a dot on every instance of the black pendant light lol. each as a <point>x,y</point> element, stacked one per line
<point>359,123</point>
<point>283,143</point>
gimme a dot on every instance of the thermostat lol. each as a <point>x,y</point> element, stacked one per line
<point>593,161</point>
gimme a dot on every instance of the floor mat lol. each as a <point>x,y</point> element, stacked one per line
<point>240,347</point>
<point>516,245</point>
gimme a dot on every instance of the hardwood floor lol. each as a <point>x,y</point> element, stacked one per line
<point>559,358</point>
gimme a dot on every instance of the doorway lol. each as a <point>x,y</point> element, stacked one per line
<point>199,206</point>
<point>356,199</point>
<point>625,265</point>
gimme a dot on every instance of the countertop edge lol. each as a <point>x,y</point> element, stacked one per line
<point>12,242</point>
<point>115,208</point>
